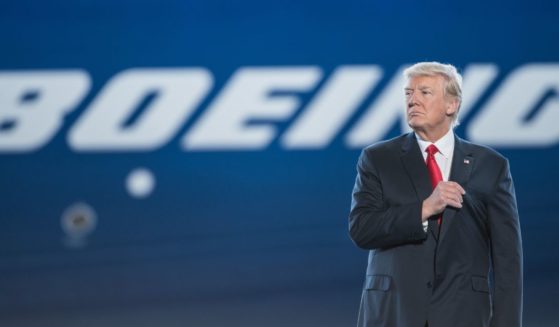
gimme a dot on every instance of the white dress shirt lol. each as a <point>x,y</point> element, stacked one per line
<point>444,157</point>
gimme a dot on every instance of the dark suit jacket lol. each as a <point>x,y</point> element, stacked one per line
<point>415,276</point>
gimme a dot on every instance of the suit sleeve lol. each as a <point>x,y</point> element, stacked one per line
<point>372,222</point>
<point>506,253</point>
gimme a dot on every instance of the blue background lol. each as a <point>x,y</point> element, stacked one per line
<point>237,238</point>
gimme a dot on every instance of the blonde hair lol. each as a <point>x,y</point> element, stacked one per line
<point>453,80</point>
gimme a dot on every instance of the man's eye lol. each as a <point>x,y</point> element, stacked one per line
<point>426,92</point>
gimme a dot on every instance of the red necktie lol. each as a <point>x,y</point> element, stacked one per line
<point>434,170</point>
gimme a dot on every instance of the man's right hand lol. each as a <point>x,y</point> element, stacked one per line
<point>445,194</point>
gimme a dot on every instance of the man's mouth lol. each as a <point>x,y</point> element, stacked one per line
<point>414,113</point>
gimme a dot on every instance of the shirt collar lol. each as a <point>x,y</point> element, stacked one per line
<point>445,144</point>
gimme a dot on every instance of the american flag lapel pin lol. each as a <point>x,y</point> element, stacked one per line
<point>467,161</point>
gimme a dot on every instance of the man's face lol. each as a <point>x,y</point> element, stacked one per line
<point>427,108</point>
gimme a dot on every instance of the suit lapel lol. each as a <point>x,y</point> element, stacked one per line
<point>462,163</point>
<point>413,162</point>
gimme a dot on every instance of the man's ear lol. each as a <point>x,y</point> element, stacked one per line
<point>451,107</point>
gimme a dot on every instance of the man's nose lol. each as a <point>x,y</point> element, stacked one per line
<point>411,99</point>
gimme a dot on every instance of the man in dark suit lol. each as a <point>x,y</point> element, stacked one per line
<point>439,217</point>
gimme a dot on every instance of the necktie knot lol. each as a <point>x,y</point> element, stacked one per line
<point>432,149</point>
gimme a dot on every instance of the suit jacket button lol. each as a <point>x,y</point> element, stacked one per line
<point>429,284</point>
